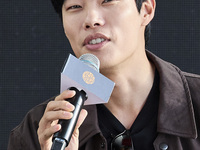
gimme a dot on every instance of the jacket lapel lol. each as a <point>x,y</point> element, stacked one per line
<point>175,114</point>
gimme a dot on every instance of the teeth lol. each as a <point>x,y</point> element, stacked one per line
<point>96,41</point>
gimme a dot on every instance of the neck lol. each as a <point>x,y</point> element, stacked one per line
<point>133,84</point>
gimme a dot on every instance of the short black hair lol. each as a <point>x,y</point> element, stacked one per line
<point>57,4</point>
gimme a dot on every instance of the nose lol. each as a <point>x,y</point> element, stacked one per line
<point>93,19</point>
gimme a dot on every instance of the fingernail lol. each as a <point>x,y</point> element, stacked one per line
<point>68,114</point>
<point>70,106</point>
<point>57,127</point>
<point>73,92</point>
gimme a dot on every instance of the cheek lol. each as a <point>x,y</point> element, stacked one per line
<point>127,22</point>
<point>128,33</point>
<point>70,26</point>
<point>70,33</point>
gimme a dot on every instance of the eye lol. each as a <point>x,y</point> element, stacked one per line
<point>106,1</point>
<point>74,7</point>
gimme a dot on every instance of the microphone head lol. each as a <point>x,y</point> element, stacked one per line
<point>90,60</point>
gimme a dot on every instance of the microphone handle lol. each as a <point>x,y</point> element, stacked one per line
<point>62,138</point>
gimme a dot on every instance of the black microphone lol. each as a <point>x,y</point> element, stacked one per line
<point>62,138</point>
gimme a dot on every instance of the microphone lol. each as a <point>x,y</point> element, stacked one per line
<point>62,138</point>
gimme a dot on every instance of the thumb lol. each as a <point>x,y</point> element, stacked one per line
<point>82,116</point>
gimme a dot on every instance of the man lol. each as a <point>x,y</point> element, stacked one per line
<point>153,105</point>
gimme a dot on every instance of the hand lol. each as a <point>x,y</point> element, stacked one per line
<point>48,125</point>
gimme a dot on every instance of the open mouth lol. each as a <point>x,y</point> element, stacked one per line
<point>96,41</point>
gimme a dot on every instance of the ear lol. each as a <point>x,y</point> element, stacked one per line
<point>147,11</point>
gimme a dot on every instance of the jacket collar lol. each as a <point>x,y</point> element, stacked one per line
<point>175,114</point>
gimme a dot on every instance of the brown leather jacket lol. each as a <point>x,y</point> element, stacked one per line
<point>178,123</point>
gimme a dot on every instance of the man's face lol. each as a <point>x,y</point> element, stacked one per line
<point>110,29</point>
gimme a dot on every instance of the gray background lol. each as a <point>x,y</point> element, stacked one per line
<point>33,49</point>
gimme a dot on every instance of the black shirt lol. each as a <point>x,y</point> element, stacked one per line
<point>144,128</point>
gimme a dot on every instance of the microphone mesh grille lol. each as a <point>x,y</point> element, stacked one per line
<point>90,60</point>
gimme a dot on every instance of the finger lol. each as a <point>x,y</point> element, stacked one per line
<point>51,116</point>
<point>50,131</point>
<point>65,95</point>
<point>55,115</point>
<point>47,134</point>
<point>59,105</point>
<point>82,116</point>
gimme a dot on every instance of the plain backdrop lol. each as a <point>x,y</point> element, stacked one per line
<point>33,48</point>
